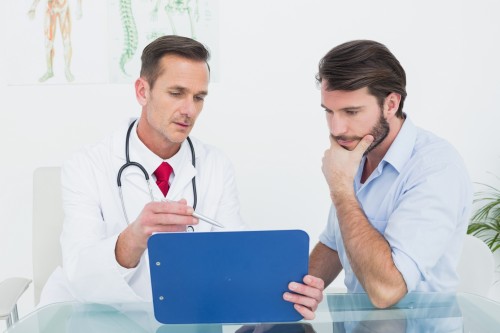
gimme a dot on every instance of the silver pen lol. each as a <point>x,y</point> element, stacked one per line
<point>201,217</point>
<point>208,220</point>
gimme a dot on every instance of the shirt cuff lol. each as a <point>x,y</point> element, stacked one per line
<point>327,241</point>
<point>408,269</point>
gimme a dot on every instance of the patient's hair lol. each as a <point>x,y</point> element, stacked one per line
<point>364,63</point>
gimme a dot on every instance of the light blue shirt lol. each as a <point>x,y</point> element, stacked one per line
<point>419,198</point>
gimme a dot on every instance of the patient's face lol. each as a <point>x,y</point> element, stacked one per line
<point>351,115</point>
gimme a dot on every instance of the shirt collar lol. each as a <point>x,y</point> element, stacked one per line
<point>402,147</point>
<point>398,154</point>
<point>149,160</point>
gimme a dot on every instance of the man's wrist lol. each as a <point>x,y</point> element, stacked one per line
<point>341,192</point>
<point>127,251</point>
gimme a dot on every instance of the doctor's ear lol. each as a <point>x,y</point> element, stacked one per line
<point>142,91</point>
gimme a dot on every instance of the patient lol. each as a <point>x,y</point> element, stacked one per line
<point>401,196</point>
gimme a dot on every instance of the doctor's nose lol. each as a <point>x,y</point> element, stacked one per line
<point>189,107</point>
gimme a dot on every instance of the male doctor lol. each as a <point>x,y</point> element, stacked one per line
<point>104,242</point>
<point>104,239</point>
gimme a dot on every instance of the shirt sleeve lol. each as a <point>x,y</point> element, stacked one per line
<point>430,213</point>
<point>327,237</point>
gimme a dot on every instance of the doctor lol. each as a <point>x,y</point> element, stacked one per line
<point>104,238</point>
<point>110,207</point>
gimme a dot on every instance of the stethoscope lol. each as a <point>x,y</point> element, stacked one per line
<point>138,165</point>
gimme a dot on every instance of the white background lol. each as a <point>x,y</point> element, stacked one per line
<point>264,111</point>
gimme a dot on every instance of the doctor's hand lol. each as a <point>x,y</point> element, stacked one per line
<point>155,217</point>
<point>306,297</point>
<point>340,165</point>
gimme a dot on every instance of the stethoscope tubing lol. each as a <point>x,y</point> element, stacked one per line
<point>129,163</point>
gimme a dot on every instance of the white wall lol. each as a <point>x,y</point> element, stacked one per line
<point>265,110</point>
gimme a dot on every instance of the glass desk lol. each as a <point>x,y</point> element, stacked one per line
<point>353,313</point>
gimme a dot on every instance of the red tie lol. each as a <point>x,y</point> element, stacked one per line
<point>162,176</point>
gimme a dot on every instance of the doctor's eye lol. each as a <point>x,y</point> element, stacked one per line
<point>199,98</point>
<point>175,93</point>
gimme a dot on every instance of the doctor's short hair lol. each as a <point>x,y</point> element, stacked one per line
<point>170,44</point>
<point>364,63</point>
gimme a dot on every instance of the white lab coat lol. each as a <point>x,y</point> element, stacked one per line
<point>94,217</point>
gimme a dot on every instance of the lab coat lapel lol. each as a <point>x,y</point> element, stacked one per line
<point>132,176</point>
<point>182,180</point>
<point>134,186</point>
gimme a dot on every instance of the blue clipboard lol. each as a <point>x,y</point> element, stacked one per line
<point>226,277</point>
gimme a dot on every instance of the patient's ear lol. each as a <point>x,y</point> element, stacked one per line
<point>391,105</point>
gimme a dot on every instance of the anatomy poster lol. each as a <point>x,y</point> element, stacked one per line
<point>134,23</point>
<point>88,41</point>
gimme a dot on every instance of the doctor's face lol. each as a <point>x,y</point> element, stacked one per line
<point>170,108</point>
<point>353,114</point>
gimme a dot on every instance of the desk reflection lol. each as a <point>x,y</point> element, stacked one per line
<point>415,313</point>
<point>444,325</point>
<point>350,313</point>
<point>126,318</point>
<point>435,313</point>
<point>277,328</point>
